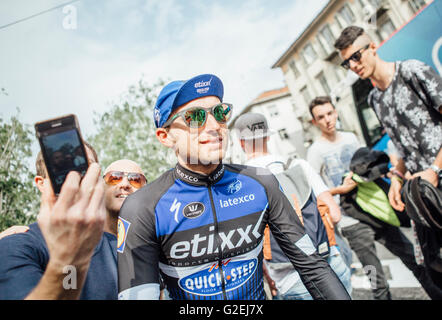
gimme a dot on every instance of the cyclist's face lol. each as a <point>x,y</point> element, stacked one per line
<point>205,145</point>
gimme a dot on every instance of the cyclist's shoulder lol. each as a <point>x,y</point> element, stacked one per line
<point>247,170</point>
<point>148,196</point>
<point>263,176</point>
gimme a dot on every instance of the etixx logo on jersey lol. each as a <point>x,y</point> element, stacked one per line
<point>193,210</point>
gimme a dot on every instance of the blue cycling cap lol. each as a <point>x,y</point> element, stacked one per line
<point>177,93</point>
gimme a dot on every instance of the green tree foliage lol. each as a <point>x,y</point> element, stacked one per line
<point>19,202</point>
<point>127,131</point>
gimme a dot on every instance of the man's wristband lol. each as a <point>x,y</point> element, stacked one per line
<point>395,177</point>
<point>398,174</point>
<point>436,169</point>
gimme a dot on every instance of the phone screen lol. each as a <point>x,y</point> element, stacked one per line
<point>64,153</point>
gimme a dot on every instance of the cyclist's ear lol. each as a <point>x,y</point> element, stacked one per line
<point>165,137</point>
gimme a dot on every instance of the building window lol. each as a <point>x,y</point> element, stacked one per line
<point>273,111</point>
<point>337,69</point>
<point>306,95</point>
<point>339,72</point>
<point>416,5</point>
<point>283,134</point>
<point>323,81</point>
<point>322,49</point>
<point>347,15</point>
<point>386,29</point>
<point>292,65</point>
<point>309,54</point>
<point>326,39</point>
<point>339,23</point>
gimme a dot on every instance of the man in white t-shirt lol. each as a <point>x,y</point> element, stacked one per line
<point>330,155</point>
<point>254,135</point>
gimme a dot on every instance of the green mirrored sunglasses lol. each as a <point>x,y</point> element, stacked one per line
<point>196,117</point>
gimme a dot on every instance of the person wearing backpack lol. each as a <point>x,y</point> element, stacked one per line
<point>310,198</point>
<point>330,156</point>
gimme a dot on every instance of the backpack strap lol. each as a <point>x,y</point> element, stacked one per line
<point>287,164</point>
<point>297,208</point>
<point>297,183</point>
<point>324,211</point>
<point>275,162</point>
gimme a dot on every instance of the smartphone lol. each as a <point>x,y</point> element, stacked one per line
<point>62,148</point>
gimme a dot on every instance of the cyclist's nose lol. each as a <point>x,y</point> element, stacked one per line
<point>211,123</point>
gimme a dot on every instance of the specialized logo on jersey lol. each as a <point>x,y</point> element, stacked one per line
<point>208,282</point>
<point>175,207</point>
<point>193,210</point>
<point>122,228</point>
<point>234,187</point>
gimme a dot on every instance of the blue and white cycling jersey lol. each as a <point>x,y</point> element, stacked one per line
<point>204,236</point>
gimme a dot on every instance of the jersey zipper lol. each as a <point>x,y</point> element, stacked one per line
<point>220,257</point>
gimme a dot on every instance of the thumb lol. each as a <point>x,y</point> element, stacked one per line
<point>48,198</point>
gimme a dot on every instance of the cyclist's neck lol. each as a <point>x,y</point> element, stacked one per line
<point>199,168</point>
<point>200,178</point>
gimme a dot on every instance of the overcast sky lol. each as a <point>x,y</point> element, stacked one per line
<point>48,70</point>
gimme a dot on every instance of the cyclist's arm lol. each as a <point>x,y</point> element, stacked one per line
<point>315,272</point>
<point>138,272</point>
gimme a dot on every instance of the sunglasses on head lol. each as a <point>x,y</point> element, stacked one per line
<point>196,117</point>
<point>356,57</point>
<point>137,180</point>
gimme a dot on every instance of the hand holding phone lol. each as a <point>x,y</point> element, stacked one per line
<point>62,148</point>
<point>72,225</point>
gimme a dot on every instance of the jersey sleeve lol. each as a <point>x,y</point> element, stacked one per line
<point>20,266</point>
<point>138,250</point>
<point>315,272</point>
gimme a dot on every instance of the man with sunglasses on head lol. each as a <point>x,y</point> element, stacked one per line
<point>71,252</point>
<point>407,99</point>
<point>200,225</point>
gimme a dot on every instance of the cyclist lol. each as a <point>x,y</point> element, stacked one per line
<point>199,227</point>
